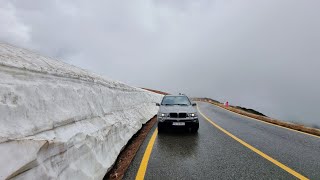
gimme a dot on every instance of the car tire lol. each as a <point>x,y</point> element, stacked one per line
<point>195,128</point>
<point>160,128</point>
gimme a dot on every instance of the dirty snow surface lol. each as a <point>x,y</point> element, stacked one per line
<point>62,122</point>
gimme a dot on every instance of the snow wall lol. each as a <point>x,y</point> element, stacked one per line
<point>58,121</point>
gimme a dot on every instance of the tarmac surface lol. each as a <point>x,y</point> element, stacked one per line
<point>229,147</point>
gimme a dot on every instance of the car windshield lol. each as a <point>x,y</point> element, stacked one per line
<point>175,100</point>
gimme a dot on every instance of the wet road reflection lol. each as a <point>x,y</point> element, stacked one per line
<point>178,143</point>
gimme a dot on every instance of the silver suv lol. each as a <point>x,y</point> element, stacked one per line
<point>177,111</point>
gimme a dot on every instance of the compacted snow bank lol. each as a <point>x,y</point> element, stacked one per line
<point>58,121</point>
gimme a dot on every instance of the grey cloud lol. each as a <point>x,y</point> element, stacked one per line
<point>259,54</point>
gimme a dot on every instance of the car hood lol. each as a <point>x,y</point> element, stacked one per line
<point>177,109</point>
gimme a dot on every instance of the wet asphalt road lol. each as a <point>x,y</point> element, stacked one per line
<point>212,154</point>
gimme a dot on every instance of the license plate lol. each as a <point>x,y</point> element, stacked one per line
<point>178,123</point>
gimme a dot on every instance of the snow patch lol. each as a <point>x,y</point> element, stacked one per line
<point>62,122</point>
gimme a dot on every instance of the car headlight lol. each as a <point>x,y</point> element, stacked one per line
<point>192,115</point>
<point>161,117</point>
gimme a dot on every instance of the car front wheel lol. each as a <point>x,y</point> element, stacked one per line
<point>195,128</point>
<point>160,127</point>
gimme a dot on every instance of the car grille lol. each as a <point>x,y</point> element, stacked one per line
<point>178,115</point>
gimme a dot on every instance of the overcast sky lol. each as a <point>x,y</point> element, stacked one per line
<point>259,54</point>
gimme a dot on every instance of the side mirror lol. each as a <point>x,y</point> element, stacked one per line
<point>194,104</point>
<point>157,104</point>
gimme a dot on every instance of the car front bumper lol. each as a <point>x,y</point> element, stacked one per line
<point>171,122</point>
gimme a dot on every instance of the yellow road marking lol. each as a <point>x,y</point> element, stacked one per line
<point>144,163</point>
<point>282,166</point>
<point>266,122</point>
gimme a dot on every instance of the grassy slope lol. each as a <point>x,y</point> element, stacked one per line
<point>156,91</point>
